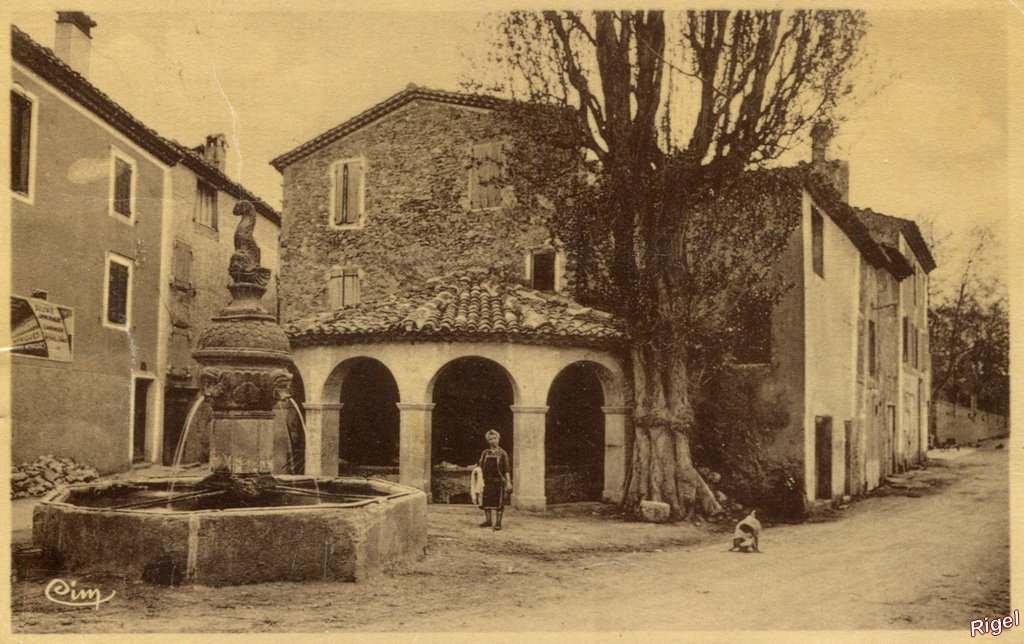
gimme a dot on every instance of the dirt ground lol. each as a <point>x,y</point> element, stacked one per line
<point>931,552</point>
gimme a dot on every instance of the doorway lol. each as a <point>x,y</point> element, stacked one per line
<point>140,420</point>
<point>823,456</point>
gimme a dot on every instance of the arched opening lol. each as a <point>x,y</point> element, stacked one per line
<point>470,395</point>
<point>574,436</point>
<point>368,420</point>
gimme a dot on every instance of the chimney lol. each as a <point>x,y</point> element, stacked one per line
<point>215,151</point>
<point>835,171</point>
<point>73,43</point>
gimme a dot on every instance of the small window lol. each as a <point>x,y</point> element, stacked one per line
<point>872,349</point>
<point>542,270</point>
<point>21,143</point>
<point>485,175</point>
<point>206,205</point>
<point>117,295</point>
<point>818,242</point>
<point>182,265</point>
<point>343,289</point>
<point>122,185</point>
<point>347,179</point>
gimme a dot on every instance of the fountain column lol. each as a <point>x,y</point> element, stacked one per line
<point>244,360</point>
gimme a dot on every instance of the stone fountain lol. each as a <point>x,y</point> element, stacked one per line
<point>242,523</point>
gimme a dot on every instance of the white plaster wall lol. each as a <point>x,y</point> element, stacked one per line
<point>831,310</point>
<point>915,382</point>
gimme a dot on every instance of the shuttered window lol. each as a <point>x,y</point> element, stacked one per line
<point>348,192</point>
<point>122,187</point>
<point>343,289</point>
<point>206,205</point>
<point>182,265</point>
<point>21,142</point>
<point>485,175</point>
<point>118,292</point>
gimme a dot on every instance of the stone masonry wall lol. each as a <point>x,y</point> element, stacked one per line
<point>417,221</point>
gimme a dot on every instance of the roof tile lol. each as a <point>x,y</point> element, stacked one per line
<point>471,308</point>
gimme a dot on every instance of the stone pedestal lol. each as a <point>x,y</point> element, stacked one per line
<point>528,457</point>
<point>414,445</point>
<point>242,444</point>
<point>322,431</point>
<point>616,424</point>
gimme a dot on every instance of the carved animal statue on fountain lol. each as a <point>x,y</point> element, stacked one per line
<point>245,262</point>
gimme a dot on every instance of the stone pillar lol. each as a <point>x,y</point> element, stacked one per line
<point>322,438</point>
<point>616,424</point>
<point>528,457</point>
<point>414,445</point>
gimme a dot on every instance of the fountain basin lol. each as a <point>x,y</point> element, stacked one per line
<point>339,529</point>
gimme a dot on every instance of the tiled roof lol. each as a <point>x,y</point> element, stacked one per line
<point>886,229</point>
<point>409,94</point>
<point>473,307</point>
<point>42,61</point>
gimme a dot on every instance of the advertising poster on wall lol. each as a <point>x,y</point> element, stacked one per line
<point>41,329</point>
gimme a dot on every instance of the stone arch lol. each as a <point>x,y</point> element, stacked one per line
<point>470,395</point>
<point>574,435</point>
<point>368,418</point>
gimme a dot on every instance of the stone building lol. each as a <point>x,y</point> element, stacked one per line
<point>426,304</point>
<point>102,211</point>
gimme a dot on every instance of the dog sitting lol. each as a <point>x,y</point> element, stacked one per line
<point>747,535</point>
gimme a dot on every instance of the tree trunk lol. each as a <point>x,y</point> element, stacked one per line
<point>662,468</point>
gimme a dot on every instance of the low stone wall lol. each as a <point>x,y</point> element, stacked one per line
<point>966,425</point>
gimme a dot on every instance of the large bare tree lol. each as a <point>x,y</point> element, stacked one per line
<point>670,109</point>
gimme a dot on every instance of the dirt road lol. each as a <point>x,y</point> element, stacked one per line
<point>933,560</point>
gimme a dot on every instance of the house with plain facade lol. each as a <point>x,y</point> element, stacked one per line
<point>115,261</point>
<point>838,385</point>
<point>426,304</point>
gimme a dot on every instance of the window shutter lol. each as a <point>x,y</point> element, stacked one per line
<point>182,264</point>
<point>350,286</point>
<point>117,294</point>
<point>484,175</point>
<point>122,187</point>
<point>355,182</point>
<point>341,192</point>
<point>21,137</point>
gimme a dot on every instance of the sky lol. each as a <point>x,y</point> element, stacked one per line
<point>926,134</point>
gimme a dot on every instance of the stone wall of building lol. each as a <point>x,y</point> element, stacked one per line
<point>417,220</point>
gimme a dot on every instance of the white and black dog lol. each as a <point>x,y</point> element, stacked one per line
<point>747,534</point>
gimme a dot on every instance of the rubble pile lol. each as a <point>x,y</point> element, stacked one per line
<point>47,473</point>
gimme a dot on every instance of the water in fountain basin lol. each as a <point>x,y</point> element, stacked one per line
<point>305,437</point>
<point>179,452</point>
